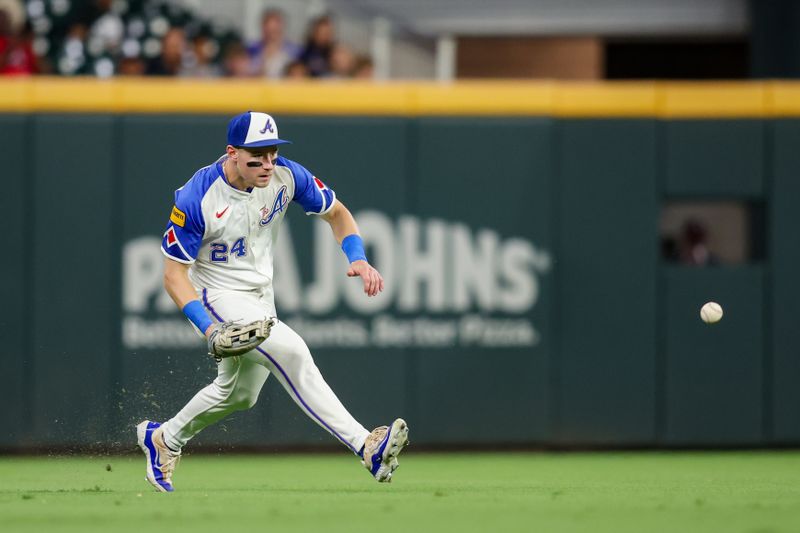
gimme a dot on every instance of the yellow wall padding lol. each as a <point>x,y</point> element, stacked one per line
<point>661,99</point>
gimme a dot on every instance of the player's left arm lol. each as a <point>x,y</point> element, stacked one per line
<point>345,230</point>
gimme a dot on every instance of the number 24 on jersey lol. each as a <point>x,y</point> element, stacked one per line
<point>220,253</point>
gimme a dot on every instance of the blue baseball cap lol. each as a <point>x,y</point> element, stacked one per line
<point>253,130</point>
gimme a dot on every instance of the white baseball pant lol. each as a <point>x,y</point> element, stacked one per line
<point>239,379</point>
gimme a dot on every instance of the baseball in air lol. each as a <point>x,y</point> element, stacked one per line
<point>711,312</point>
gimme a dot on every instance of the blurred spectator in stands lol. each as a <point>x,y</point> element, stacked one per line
<point>364,69</point>
<point>693,245</point>
<point>15,13</point>
<point>16,48</point>
<point>236,61</point>
<point>84,14</point>
<point>272,54</point>
<point>173,54</point>
<point>296,70</point>
<point>343,62</point>
<point>316,54</point>
<point>107,37</point>
<point>132,66</point>
<point>106,30</point>
<point>74,49</point>
<point>201,59</point>
<point>72,56</point>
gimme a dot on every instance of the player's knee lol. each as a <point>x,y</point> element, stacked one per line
<point>301,355</point>
<point>243,399</point>
<point>231,397</point>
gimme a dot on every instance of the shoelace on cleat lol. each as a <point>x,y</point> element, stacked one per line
<point>168,467</point>
<point>375,437</point>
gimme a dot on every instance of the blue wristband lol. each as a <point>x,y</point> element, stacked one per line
<point>197,315</point>
<point>353,248</point>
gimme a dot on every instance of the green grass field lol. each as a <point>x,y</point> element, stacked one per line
<point>541,492</point>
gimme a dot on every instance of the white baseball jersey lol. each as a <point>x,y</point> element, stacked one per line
<point>228,235</point>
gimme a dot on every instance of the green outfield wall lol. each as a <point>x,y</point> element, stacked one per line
<point>526,300</point>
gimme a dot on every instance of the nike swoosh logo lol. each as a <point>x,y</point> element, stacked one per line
<point>220,213</point>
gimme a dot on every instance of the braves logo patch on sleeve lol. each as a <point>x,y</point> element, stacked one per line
<point>172,239</point>
<point>173,247</point>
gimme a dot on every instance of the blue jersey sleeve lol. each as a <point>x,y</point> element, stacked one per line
<point>309,191</point>
<point>185,228</point>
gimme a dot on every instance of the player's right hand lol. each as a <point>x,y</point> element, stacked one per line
<point>373,281</point>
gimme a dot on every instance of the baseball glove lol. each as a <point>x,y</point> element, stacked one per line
<point>229,339</point>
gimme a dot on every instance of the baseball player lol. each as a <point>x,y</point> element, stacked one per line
<point>219,245</point>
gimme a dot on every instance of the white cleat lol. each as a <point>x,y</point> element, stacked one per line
<point>382,447</point>
<point>161,461</point>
